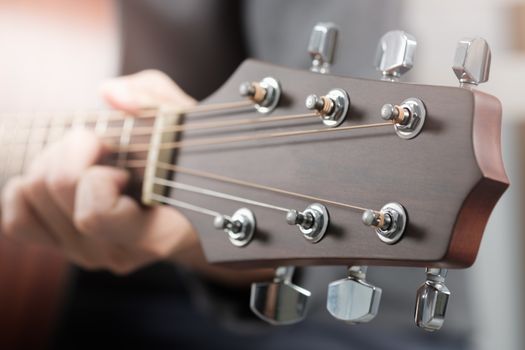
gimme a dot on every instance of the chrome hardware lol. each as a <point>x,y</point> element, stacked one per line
<point>313,221</point>
<point>280,302</point>
<point>332,108</point>
<point>353,299</point>
<point>265,94</point>
<point>408,118</point>
<point>472,61</point>
<point>395,54</point>
<point>321,46</point>
<point>240,227</point>
<point>431,301</point>
<point>390,222</point>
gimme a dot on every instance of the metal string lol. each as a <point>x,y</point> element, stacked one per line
<point>180,204</point>
<point>212,193</point>
<point>216,177</point>
<point>142,147</point>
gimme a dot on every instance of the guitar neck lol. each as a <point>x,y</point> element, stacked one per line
<point>23,137</point>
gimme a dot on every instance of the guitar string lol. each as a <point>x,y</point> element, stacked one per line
<point>142,147</point>
<point>185,205</point>
<point>151,112</point>
<point>211,125</point>
<point>216,194</point>
<point>115,132</point>
<point>208,175</point>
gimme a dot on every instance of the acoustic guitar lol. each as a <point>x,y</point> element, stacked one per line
<point>283,167</point>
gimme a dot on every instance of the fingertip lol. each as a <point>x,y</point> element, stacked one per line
<point>118,94</point>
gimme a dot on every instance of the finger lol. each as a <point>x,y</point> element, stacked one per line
<point>146,89</point>
<point>101,210</point>
<point>78,150</point>
<point>18,218</point>
<point>98,193</point>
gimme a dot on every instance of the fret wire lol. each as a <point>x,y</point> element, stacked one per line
<point>101,125</point>
<point>124,140</point>
<point>9,154</point>
<point>180,204</point>
<point>208,192</point>
<point>2,151</point>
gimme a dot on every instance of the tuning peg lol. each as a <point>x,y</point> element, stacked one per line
<point>332,108</point>
<point>431,301</point>
<point>312,222</point>
<point>472,61</point>
<point>353,299</point>
<point>240,227</point>
<point>395,54</point>
<point>389,222</point>
<point>280,302</point>
<point>265,93</point>
<point>321,46</point>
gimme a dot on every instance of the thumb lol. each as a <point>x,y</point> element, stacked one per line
<point>146,89</point>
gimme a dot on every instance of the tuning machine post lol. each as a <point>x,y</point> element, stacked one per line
<point>312,222</point>
<point>280,302</point>
<point>240,227</point>
<point>353,299</point>
<point>265,93</point>
<point>332,108</point>
<point>432,300</point>
<point>389,222</point>
<point>472,62</point>
<point>408,117</point>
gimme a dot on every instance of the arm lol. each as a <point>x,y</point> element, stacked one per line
<point>68,202</point>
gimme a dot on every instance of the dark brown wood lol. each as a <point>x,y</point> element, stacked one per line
<point>448,178</point>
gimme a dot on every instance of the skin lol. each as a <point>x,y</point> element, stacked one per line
<point>67,202</point>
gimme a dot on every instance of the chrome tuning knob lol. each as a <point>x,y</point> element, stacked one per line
<point>395,54</point>
<point>353,299</point>
<point>472,62</point>
<point>321,46</point>
<point>280,302</point>
<point>431,301</point>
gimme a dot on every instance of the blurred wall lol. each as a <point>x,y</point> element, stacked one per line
<point>53,49</point>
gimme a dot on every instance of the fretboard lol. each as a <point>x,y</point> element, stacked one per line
<point>23,137</point>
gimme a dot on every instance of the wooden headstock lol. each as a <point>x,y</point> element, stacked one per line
<point>448,178</point>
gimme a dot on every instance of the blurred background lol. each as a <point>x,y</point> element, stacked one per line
<point>54,53</point>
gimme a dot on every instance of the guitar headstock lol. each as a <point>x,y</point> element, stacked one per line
<point>335,170</point>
